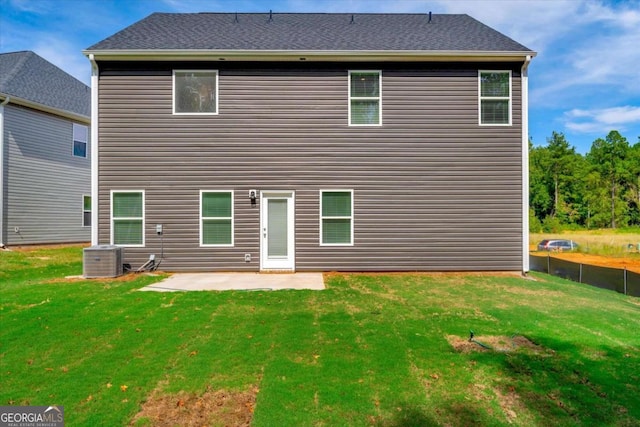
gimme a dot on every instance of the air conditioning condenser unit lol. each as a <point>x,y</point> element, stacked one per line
<point>102,261</point>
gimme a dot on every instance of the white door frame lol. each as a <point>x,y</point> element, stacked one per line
<point>288,262</point>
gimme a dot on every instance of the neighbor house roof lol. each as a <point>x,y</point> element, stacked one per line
<point>308,32</point>
<point>29,79</point>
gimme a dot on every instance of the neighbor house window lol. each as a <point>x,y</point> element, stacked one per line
<point>216,218</point>
<point>365,98</point>
<point>80,133</point>
<point>86,211</point>
<point>195,92</point>
<point>127,218</point>
<point>495,97</point>
<point>336,217</point>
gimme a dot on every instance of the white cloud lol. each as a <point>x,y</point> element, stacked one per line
<point>535,23</point>
<point>65,56</point>
<point>602,120</point>
<point>627,15</point>
<point>30,6</point>
<point>592,59</point>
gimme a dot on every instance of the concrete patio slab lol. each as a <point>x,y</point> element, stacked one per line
<point>237,281</point>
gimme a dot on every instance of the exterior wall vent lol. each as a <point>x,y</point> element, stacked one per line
<point>102,261</point>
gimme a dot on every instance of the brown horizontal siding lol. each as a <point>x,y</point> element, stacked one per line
<point>432,189</point>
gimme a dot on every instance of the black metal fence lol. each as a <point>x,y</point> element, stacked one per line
<point>615,279</point>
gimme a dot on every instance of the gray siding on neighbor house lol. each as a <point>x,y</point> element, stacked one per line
<point>43,182</point>
<point>433,190</point>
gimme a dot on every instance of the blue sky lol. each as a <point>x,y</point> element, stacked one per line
<point>584,82</point>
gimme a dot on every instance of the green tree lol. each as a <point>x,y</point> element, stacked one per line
<point>608,158</point>
<point>554,181</point>
<point>597,214</point>
<point>560,166</point>
<point>540,200</point>
<point>633,165</point>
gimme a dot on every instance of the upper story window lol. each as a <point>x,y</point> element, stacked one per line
<point>195,92</point>
<point>80,137</point>
<point>495,97</point>
<point>365,98</point>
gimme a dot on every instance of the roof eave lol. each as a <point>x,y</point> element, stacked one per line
<point>45,108</point>
<point>306,55</point>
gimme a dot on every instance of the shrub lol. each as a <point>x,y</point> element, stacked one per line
<point>535,226</point>
<point>551,225</point>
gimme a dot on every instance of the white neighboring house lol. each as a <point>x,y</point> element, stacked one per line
<point>45,153</point>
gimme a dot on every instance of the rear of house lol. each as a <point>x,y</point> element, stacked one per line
<point>45,153</point>
<point>311,142</point>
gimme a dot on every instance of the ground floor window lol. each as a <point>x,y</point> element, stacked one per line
<point>336,217</point>
<point>127,218</point>
<point>216,218</point>
<point>86,211</point>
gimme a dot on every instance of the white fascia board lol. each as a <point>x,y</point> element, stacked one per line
<point>524,79</point>
<point>47,109</point>
<point>303,55</point>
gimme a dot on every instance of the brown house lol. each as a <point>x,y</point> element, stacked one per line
<point>256,142</point>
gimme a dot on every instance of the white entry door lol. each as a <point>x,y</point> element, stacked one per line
<point>277,231</point>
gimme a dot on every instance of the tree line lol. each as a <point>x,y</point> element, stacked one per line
<point>598,190</point>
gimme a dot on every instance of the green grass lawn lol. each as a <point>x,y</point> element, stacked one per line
<point>369,350</point>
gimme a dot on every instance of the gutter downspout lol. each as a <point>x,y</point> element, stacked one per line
<point>94,150</point>
<point>524,79</point>
<point>2,228</point>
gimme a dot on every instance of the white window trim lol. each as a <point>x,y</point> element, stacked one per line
<point>86,140</point>
<point>497,98</point>
<point>366,98</point>
<point>84,210</point>
<point>351,217</point>
<point>173,92</point>
<point>143,217</point>
<point>232,218</point>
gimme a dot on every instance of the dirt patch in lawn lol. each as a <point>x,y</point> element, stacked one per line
<point>214,407</point>
<point>126,277</point>
<point>37,247</point>
<point>499,343</point>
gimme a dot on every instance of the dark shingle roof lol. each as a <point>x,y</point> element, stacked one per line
<point>309,32</point>
<point>28,76</point>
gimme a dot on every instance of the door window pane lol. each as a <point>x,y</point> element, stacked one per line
<point>277,223</point>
